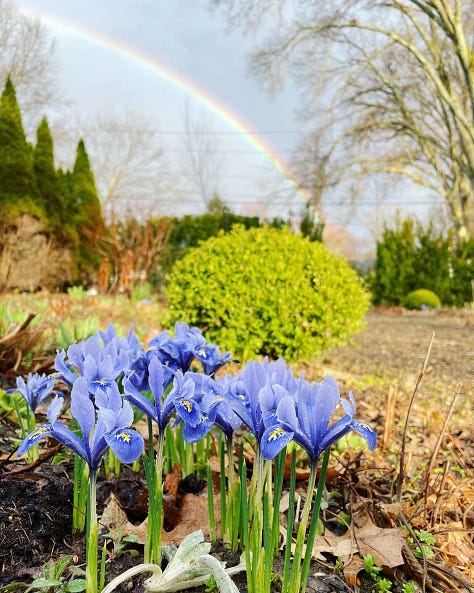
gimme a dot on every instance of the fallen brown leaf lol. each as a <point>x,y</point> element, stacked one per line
<point>172,479</point>
<point>193,515</point>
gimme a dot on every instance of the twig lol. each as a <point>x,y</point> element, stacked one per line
<point>438,445</point>
<point>438,496</point>
<point>24,468</point>
<point>421,374</point>
<point>447,574</point>
<point>425,578</point>
<point>389,416</point>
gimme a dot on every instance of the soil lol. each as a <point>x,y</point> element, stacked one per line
<point>36,501</point>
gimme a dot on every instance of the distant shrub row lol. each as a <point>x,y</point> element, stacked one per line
<point>411,257</point>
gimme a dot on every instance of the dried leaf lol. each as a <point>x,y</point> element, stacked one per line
<point>384,544</point>
<point>338,546</point>
<point>351,570</point>
<point>193,515</point>
<point>172,479</point>
<point>114,519</point>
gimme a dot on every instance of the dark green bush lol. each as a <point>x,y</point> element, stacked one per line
<point>410,255</point>
<point>190,230</point>
<point>267,291</point>
<point>418,299</point>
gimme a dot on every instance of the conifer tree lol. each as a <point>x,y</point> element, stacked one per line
<point>18,193</point>
<point>85,210</point>
<point>45,174</point>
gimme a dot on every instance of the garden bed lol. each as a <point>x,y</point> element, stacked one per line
<point>380,365</point>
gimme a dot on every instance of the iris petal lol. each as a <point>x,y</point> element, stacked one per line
<point>366,432</point>
<point>126,444</point>
<point>39,433</point>
<point>273,440</point>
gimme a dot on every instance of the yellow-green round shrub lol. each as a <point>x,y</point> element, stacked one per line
<point>421,298</point>
<point>267,291</point>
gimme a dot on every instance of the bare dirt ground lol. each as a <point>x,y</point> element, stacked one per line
<point>391,349</point>
<point>395,341</point>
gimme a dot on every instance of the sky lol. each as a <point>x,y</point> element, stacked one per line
<point>157,56</point>
<point>168,54</point>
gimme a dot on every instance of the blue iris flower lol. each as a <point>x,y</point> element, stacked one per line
<point>36,388</point>
<point>160,408</point>
<point>212,358</point>
<point>254,395</point>
<point>200,404</point>
<point>129,344</point>
<point>98,362</point>
<point>105,424</point>
<point>176,352</point>
<point>307,417</point>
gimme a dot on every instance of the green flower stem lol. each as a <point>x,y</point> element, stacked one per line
<point>33,452</point>
<point>255,553</point>
<point>230,503</point>
<point>79,510</point>
<point>154,475</point>
<point>210,506</point>
<point>295,579</point>
<point>92,537</point>
<point>224,498</point>
<point>291,522</point>
<point>314,519</point>
<point>299,575</point>
<point>279,466</point>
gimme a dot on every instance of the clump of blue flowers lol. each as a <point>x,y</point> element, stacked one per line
<point>174,381</point>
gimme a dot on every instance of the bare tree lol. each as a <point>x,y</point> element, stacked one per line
<point>28,56</point>
<point>128,160</point>
<point>202,162</point>
<point>390,87</point>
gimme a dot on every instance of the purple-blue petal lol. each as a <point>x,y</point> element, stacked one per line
<point>366,432</point>
<point>274,440</point>
<point>82,407</point>
<point>39,433</point>
<point>126,444</point>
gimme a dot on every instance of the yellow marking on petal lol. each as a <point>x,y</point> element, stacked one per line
<point>123,436</point>
<point>39,431</point>
<point>202,352</point>
<point>276,434</point>
<point>218,399</point>
<point>187,405</point>
<point>241,395</point>
<point>102,382</point>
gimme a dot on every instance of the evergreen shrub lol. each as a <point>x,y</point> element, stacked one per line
<point>267,291</point>
<point>411,255</point>
<point>420,298</point>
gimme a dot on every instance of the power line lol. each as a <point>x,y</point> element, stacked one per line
<point>158,132</point>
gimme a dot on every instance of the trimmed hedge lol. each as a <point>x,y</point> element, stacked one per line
<point>267,291</point>
<point>418,299</point>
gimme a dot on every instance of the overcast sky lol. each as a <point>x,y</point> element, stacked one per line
<point>194,45</point>
<point>191,48</point>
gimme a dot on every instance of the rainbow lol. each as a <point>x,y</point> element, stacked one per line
<point>160,69</point>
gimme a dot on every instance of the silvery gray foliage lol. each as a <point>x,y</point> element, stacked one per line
<point>189,565</point>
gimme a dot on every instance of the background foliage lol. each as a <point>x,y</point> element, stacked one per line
<point>410,256</point>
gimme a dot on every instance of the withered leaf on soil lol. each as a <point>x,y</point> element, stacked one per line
<point>364,537</point>
<point>172,481</point>
<point>193,515</point>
